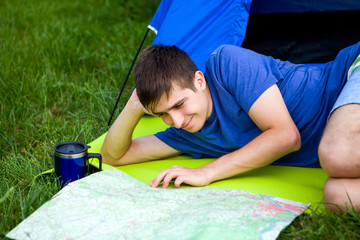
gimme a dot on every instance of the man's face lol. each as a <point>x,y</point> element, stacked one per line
<point>185,108</point>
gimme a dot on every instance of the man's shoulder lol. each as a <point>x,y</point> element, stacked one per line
<point>231,55</point>
<point>228,49</point>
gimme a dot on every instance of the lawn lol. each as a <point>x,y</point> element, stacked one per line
<point>62,64</point>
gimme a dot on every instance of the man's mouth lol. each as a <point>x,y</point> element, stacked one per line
<point>188,124</point>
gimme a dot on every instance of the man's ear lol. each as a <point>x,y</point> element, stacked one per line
<point>200,80</point>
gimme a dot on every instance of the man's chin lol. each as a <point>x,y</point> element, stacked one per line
<point>194,129</point>
<point>190,130</point>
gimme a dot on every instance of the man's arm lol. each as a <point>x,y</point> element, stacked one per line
<point>119,148</point>
<point>280,136</point>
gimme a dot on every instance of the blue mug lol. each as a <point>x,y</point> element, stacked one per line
<point>71,161</point>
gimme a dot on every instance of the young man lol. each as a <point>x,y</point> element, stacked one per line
<point>248,111</point>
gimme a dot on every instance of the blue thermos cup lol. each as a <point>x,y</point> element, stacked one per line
<point>71,161</point>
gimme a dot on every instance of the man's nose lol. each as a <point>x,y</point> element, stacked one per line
<point>176,119</point>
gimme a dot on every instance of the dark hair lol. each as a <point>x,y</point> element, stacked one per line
<point>158,67</point>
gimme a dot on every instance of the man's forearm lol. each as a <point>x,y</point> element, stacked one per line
<point>263,150</point>
<point>119,137</point>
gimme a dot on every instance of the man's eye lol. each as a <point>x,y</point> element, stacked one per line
<point>179,105</point>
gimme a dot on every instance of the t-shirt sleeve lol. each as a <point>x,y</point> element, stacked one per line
<point>179,141</point>
<point>243,73</point>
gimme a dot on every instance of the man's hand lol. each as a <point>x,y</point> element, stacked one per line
<point>134,100</point>
<point>193,176</point>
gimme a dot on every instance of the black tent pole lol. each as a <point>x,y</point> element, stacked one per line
<point>127,77</point>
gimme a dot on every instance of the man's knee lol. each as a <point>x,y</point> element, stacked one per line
<point>329,158</point>
<point>337,159</point>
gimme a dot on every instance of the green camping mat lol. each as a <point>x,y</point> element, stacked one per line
<point>294,183</point>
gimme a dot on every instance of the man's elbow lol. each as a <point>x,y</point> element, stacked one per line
<point>112,161</point>
<point>293,140</point>
<point>108,159</point>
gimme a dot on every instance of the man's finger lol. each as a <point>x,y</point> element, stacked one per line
<point>178,181</point>
<point>168,177</point>
<point>155,183</point>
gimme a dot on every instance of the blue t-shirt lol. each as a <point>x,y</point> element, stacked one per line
<point>237,77</point>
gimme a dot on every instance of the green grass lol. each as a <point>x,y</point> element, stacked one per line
<point>62,64</point>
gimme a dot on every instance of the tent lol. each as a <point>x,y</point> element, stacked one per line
<point>301,31</point>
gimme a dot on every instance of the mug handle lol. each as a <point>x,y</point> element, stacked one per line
<point>96,155</point>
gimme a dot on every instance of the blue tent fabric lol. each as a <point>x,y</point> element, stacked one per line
<point>199,26</point>
<point>160,15</point>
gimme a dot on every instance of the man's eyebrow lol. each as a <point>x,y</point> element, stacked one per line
<point>173,106</point>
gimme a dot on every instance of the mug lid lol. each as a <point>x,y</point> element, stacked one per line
<point>71,147</point>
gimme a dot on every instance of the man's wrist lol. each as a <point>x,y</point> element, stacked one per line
<point>208,173</point>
